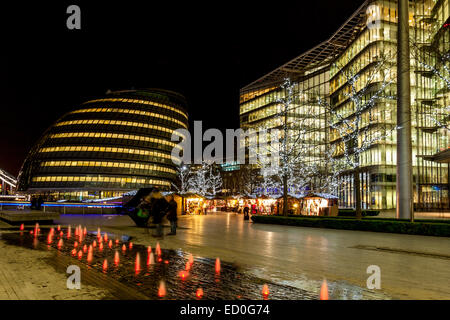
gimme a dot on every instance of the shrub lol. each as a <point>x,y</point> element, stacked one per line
<point>426,228</point>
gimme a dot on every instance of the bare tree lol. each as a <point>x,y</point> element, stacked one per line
<point>205,180</point>
<point>284,154</point>
<point>183,178</point>
<point>435,63</point>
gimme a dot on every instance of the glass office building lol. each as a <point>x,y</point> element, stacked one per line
<point>366,41</point>
<point>107,146</point>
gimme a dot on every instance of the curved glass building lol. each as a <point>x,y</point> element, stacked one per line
<point>107,146</point>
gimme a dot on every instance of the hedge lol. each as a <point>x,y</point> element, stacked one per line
<point>352,212</point>
<point>425,228</point>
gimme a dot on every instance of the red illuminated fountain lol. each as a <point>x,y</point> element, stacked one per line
<point>60,243</point>
<point>137,264</point>
<point>116,258</point>
<point>124,248</point>
<point>188,266</point>
<point>150,258</point>
<point>94,244</point>
<point>49,238</point>
<point>90,254</point>
<point>191,259</point>
<point>22,227</point>
<point>105,237</point>
<point>183,274</point>
<point>69,232</point>
<point>161,289</point>
<point>80,254</point>
<point>324,291</point>
<point>74,252</point>
<point>110,244</point>
<point>217,267</point>
<point>199,293</point>
<point>149,249</point>
<point>100,246</point>
<point>85,231</point>
<point>105,265</point>
<point>58,228</point>
<point>117,241</point>
<point>130,246</point>
<point>75,244</point>
<point>85,248</point>
<point>158,249</point>
<point>265,291</point>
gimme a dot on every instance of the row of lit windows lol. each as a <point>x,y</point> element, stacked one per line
<point>108,164</point>
<point>156,104</point>
<point>132,111</point>
<point>121,123</point>
<point>106,149</point>
<point>128,180</point>
<point>113,136</point>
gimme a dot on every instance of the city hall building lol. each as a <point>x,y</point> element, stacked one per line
<point>358,47</point>
<point>107,146</point>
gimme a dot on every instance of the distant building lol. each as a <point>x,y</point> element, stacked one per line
<point>367,36</point>
<point>107,146</point>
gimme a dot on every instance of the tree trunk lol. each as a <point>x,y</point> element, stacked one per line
<point>357,187</point>
<point>285,196</point>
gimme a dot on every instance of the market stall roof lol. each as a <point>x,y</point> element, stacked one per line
<point>317,195</point>
<point>191,195</point>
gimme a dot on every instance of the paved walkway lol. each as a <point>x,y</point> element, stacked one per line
<point>412,267</point>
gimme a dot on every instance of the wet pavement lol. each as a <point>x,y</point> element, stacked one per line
<point>144,268</point>
<point>292,260</point>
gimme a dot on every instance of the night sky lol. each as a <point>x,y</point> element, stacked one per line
<point>206,51</point>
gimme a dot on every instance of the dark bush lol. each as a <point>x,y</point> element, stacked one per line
<point>426,228</point>
<point>352,213</point>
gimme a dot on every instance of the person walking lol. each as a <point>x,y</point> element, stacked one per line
<point>172,215</point>
<point>246,212</point>
<point>158,210</point>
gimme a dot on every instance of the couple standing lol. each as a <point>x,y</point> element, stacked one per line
<point>160,206</point>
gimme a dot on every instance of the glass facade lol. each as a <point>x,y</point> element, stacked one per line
<point>360,51</point>
<point>107,146</point>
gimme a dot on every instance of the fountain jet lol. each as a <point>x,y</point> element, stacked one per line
<point>158,249</point>
<point>265,291</point>
<point>199,293</point>
<point>137,264</point>
<point>116,258</point>
<point>161,289</point>
<point>150,259</point>
<point>324,290</point>
<point>217,265</point>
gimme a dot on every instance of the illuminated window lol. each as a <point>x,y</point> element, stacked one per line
<point>140,102</point>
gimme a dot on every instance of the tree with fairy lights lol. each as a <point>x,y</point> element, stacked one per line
<point>435,64</point>
<point>205,179</point>
<point>355,125</point>
<point>183,178</point>
<point>286,154</point>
